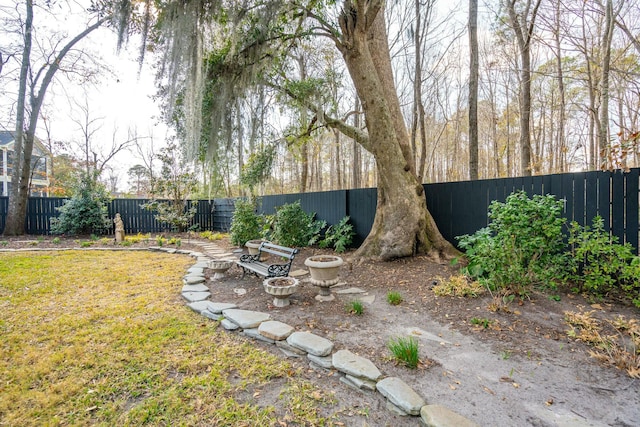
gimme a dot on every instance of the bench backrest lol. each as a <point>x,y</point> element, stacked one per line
<point>282,251</point>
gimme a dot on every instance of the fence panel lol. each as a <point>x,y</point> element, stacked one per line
<point>617,205</point>
<point>458,208</point>
<point>361,208</point>
<point>579,206</point>
<point>222,214</point>
<point>4,207</point>
<point>632,217</point>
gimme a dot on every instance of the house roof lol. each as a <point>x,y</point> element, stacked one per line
<point>6,138</point>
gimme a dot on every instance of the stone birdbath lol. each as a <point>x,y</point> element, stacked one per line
<point>281,288</point>
<point>219,268</point>
<point>324,271</point>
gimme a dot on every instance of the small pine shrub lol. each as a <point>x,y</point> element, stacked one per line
<point>245,224</point>
<point>394,298</point>
<point>405,351</point>
<point>86,211</point>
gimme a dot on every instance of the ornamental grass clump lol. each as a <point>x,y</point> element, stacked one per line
<point>355,307</point>
<point>394,298</point>
<point>405,351</point>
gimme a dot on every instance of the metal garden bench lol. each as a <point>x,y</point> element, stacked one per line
<point>253,264</point>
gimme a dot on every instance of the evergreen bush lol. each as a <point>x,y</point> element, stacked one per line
<point>522,247</point>
<point>86,211</point>
<point>246,223</point>
<point>294,227</point>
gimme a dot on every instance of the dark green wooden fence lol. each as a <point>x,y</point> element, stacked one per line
<point>457,207</point>
<point>210,214</point>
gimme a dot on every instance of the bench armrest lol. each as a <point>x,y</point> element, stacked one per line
<point>250,258</point>
<point>278,270</point>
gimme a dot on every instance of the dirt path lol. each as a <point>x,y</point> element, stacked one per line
<point>520,370</point>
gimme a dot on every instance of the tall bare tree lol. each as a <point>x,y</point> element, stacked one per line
<point>33,84</point>
<point>473,89</point>
<point>522,18</point>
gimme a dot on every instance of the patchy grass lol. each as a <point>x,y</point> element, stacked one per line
<point>92,338</point>
<point>619,348</point>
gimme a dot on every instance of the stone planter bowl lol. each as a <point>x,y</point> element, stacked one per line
<point>219,268</point>
<point>253,246</point>
<point>280,292</point>
<point>324,268</point>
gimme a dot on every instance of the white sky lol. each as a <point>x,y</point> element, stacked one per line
<point>119,99</point>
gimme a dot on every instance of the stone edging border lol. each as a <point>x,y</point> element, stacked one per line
<point>358,372</point>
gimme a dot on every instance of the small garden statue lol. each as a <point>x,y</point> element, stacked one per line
<point>119,228</point>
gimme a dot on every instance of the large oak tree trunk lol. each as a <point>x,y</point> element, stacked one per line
<point>402,226</point>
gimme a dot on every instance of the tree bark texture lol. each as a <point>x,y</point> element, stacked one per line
<point>402,225</point>
<point>14,225</point>
<point>604,145</point>
<point>473,89</point>
<point>523,26</point>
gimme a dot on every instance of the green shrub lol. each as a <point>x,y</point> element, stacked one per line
<point>294,227</point>
<point>602,265</point>
<point>523,245</point>
<point>338,236</point>
<point>245,224</point>
<point>405,351</point>
<point>86,211</point>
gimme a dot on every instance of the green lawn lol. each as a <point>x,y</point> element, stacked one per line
<point>104,338</point>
